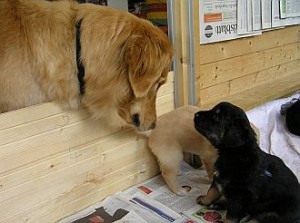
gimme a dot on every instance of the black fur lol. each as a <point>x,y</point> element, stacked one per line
<point>253,182</point>
<point>293,118</point>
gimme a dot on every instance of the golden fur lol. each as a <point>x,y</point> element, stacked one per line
<point>175,134</point>
<point>126,59</point>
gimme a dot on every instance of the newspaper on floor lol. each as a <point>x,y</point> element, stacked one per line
<point>152,201</point>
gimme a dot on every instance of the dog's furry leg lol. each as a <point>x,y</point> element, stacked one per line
<point>170,176</point>
<point>170,167</point>
<point>209,159</point>
<point>237,207</point>
<point>208,164</point>
<point>213,194</point>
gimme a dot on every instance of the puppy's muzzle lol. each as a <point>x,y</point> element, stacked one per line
<point>197,118</point>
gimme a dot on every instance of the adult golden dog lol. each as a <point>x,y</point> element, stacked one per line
<point>125,59</point>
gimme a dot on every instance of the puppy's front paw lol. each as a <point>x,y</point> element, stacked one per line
<point>182,192</point>
<point>202,200</point>
<point>217,206</point>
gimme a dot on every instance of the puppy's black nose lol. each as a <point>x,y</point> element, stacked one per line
<point>136,120</point>
<point>197,117</point>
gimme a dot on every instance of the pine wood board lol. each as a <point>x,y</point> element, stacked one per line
<point>93,170</point>
<point>87,193</point>
<point>257,95</point>
<point>234,48</point>
<point>240,84</point>
<point>225,70</point>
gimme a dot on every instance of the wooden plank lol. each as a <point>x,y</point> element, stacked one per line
<point>77,154</point>
<point>87,193</point>
<point>165,104</point>
<point>165,89</point>
<point>19,153</point>
<point>40,126</point>
<point>222,71</point>
<point>224,50</point>
<point>170,77</point>
<point>59,182</point>
<point>264,76</point>
<point>259,94</point>
<point>137,178</point>
<point>27,115</point>
<point>246,82</point>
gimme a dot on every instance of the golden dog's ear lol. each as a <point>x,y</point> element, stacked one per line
<point>136,55</point>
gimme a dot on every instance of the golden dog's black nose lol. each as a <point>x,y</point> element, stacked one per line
<point>153,125</point>
<point>136,120</point>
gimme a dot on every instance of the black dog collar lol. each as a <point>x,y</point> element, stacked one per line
<point>80,66</point>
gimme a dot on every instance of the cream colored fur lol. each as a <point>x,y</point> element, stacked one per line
<point>126,59</point>
<point>175,134</point>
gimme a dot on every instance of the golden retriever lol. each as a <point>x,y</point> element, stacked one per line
<point>175,134</point>
<point>125,59</point>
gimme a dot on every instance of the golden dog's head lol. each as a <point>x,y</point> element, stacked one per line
<point>147,61</point>
<point>125,66</point>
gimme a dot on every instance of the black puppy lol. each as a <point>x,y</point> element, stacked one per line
<point>254,183</point>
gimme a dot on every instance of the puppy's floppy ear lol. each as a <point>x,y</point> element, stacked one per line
<point>237,134</point>
<point>136,57</point>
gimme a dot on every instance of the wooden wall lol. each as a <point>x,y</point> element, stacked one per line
<point>54,163</point>
<point>249,71</point>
